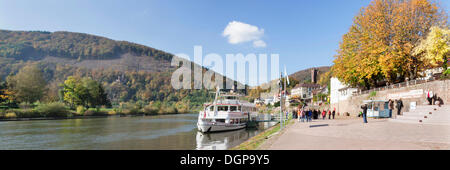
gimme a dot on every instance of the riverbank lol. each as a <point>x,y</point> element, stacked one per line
<point>254,142</point>
<point>74,115</point>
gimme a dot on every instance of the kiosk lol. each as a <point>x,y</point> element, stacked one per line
<point>377,108</point>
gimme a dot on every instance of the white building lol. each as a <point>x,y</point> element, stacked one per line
<point>339,91</point>
<point>304,91</point>
<point>268,101</point>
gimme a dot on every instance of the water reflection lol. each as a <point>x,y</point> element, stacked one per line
<point>173,132</point>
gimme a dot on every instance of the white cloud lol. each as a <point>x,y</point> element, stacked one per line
<point>239,32</point>
<point>259,43</point>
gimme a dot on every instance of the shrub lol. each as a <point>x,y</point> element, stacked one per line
<point>81,110</point>
<point>112,112</point>
<point>150,110</point>
<point>446,74</point>
<point>10,115</point>
<point>131,108</point>
<point>168,110</point>
<point>372,94</point>
<point>26,113</point>
<point>95,113</point>
<point>53,110</point>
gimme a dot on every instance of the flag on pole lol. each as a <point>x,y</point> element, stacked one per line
<point>285,73</point>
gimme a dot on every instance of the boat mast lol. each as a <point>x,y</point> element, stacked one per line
<point>215,100</point>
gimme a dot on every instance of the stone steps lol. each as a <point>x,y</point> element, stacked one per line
<point>421,115</point>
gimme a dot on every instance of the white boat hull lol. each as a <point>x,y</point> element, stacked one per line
<point>209,127</point>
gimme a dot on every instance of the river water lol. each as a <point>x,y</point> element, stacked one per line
<point>172,132</point>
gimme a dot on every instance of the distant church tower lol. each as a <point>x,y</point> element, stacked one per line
<point>314,75</point>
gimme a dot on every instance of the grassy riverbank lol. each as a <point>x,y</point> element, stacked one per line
<point>256,141</point>
<point>56,111</point>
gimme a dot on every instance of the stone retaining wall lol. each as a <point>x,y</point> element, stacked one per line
<point>414,93</point>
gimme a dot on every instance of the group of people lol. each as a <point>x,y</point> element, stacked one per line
<point>433,99</point>
<point>307,115</point>
<point>398,105</point>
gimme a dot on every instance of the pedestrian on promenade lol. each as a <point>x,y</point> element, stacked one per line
<point>364,112</point>
<point>391,107</point>
<point>439,101</point>
<point>299,113</point>
<point>430,97</point>
<point>329,114</point>
<point>315,114</point>
<point>434,98</point>
<point>303,115</point>
<point>306,115</point>
<point>310,116</point>
<point>334,112</point>
<point>324,114</point>
<point>399,106</point>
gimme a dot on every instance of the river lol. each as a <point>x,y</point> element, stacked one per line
<point>165,132</point>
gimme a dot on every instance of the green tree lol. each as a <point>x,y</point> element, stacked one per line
<point>84,92</point>
<point>28,85</point>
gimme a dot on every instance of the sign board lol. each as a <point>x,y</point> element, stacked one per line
<point>406,95</point>
<point>412,105</point>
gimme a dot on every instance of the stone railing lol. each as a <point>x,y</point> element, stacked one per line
<point>393,86</point>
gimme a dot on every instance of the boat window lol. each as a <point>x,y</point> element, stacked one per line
<point>222,108</point>
<point>239,108</point>
<point>211,108</point>
<point>230,97</point>
<point>233,108</point>
<point>220,120</point>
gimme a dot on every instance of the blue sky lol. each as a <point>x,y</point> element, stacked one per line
<point>306,33</point>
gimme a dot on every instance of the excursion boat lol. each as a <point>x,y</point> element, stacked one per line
<point>226,113</point>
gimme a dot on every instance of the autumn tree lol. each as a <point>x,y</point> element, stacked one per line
<point>435,48</point>
<point>379,45</point>
<point>6,96</point>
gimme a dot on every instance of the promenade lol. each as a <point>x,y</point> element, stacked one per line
<point>352,134</point>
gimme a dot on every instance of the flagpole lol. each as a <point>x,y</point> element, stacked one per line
<point>281,95</point>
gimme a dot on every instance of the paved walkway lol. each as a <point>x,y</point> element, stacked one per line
<point>352,134</point>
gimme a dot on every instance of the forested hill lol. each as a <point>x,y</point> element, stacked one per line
<point>38,44</point>
<point>305,75</point>
<point>130,73</point>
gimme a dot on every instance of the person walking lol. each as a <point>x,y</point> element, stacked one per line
<point>399,106</point>
<point>434,99</point>
<point>364,113</point>
<point>310,116</point>
<point>329,115</point>
<point>302,114</point>
<point>324,114</point>
<point>429,97</point>
<point>391,107</point>
<point>334,112</point>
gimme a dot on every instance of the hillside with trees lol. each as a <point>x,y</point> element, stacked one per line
<point>83,72</point>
